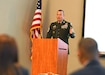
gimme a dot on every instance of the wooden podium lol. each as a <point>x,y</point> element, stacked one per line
<point>49,55</point>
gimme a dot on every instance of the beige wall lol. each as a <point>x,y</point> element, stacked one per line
<point>16,17</point>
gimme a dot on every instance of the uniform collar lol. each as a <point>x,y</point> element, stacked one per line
<point>63,21</point>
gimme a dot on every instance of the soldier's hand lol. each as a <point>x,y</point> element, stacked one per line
<point>71,30</point>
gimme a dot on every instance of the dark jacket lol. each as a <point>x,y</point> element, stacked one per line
<point>92,68</point>
<point>21,71</point>
<point>60,30</point>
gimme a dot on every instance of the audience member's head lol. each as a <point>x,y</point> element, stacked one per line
<point>8,55</point>
<point>87,50</point>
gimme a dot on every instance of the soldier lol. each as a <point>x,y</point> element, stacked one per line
<point>61,28</point>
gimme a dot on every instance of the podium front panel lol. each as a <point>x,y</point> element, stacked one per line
<point>44,56</point>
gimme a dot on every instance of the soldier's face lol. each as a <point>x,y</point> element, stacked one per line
<point>60,16</point>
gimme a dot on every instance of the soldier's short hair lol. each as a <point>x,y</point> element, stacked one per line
<point>61,10</point>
